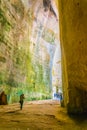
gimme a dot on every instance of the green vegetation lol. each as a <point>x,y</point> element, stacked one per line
<point>4,22</point>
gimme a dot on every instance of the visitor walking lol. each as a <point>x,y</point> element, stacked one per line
<point>21,101</point>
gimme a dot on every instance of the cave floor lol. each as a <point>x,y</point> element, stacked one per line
<point>39,115</point>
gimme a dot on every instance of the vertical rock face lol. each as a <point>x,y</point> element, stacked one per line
<point>44,36</point>
<point>27,45</point>
<point>14,42</point>
<point>73,26</point>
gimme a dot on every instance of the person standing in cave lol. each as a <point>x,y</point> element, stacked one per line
<point>21,101</point>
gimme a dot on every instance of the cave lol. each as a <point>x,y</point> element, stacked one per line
<point>43,52</point>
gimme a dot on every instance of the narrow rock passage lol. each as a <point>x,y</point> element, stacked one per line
<point>39,115</point>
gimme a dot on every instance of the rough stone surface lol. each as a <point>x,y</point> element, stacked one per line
<point>28,41</point>
<point>15,26</point>
<point>73,30</point>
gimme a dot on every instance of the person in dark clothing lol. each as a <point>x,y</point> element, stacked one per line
<point>21,101</point>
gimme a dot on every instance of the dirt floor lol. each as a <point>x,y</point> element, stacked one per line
<point>39,115</point>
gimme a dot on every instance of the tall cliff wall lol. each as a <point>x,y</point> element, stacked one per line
<point>73,32</point>
<point>27,46</point>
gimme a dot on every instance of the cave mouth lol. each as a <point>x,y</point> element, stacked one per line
<point>33,54</point>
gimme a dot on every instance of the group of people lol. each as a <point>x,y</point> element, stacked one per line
<point>58,96</point>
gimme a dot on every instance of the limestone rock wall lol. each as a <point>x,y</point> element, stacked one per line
<point>28,40</point>
<point>15,56</point>
<point>73,33</point>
